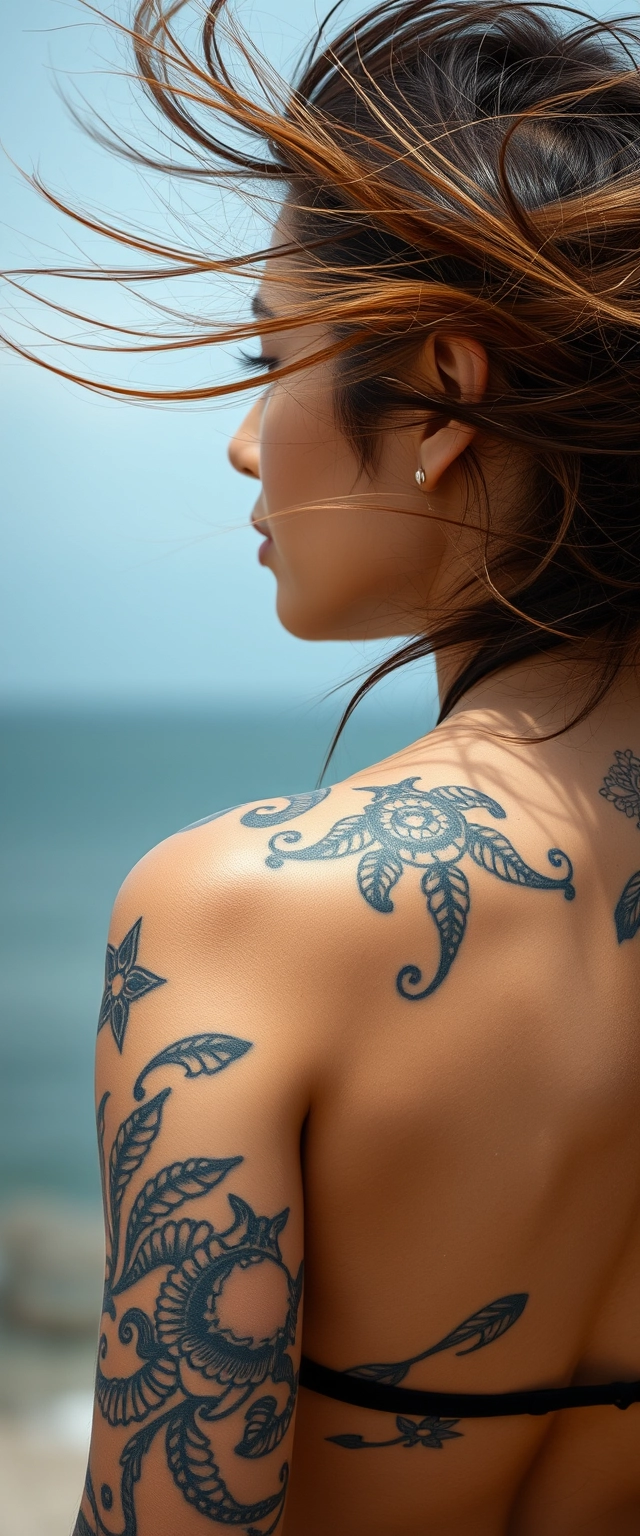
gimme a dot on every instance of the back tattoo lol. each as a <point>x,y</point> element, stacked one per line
<point>622,787</point>
<point>403,827</point>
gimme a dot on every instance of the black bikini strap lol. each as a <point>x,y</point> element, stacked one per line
<point>460,1405</point>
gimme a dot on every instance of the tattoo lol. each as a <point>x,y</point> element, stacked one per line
<point>297,805</point>
<point>621,786</point>
<point>124,983</point>
<point>484,1327</point>
<point>407,827</point>
<point>266,815</point>
<point>196,1365</point>
<point>429,1432</point>
<point>198,1054</point>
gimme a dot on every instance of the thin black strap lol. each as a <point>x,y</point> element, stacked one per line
<point>460,1405</point>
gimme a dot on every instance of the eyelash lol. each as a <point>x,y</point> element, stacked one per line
<point>257,361</point>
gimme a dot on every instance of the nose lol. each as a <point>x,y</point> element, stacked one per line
<point>244,448</point>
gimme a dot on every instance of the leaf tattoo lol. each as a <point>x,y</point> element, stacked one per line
<point>403,827</point>
<point>169,1189</point>
<point>132,1143</point>
<point>198,1476</point>
<point>377,875</point>
<point>265,1427</point>
<point>484,1326</point>
<point>197,1054</point>
<point>448,901</point>
<point>135,1136</point>
<point>170,1244</point>
<point>627,913</point>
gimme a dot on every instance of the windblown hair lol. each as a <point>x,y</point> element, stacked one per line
<point>472,168</point>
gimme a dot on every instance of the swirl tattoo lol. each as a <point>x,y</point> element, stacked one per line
<point>404,827</point>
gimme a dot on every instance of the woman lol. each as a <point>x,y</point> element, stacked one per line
<point>392,1026</point>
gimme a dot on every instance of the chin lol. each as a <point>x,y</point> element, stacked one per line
<point>309,624</point>
<point>309,620</point>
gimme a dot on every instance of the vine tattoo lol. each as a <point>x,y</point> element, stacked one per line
<point>484,1327</point>
<point>404,827</point>
<point>621,786</point>
<point>124,983</point>
<point>195,1361</point>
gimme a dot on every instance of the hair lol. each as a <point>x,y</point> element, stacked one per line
<point>465,167</point>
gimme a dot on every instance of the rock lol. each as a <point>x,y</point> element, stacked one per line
<point>52,1264</point>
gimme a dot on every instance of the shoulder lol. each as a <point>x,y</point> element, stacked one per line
<point>214,899</point>
<point>220,866</point>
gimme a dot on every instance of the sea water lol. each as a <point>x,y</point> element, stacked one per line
<point>83,796</point>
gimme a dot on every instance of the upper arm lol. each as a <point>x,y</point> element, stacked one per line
<point>201,1095</point>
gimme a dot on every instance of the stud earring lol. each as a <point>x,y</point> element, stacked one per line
<point>420,477</point>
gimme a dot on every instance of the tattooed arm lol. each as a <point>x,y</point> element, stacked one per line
<point>201,1098</point>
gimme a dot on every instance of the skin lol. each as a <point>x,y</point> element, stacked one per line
<point>433,1155</point>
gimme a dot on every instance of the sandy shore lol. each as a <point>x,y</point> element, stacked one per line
<point>45,1414</point>
<point>41,1481</point>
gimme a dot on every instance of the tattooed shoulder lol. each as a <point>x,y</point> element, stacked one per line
<point>425,833</point>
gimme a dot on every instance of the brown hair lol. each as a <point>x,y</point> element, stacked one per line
<point>467,166</point>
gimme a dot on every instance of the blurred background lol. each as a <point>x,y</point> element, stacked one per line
<point>144,683</point>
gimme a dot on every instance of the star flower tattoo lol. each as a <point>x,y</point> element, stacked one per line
<point>124,983</point>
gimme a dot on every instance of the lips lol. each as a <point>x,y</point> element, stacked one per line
<point>264,548</point>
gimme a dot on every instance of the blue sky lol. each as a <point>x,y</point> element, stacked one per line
<point>129,572</point>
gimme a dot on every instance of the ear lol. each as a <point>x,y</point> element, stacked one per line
<point>458,367</point>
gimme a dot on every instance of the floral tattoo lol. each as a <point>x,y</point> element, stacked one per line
<point>476,1332</point>
<point>196,1362</point>
<point>621,786</point>
<point>407,828</point>
<point>124,983</point>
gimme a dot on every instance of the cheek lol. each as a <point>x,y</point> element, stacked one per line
<point>341,570</point>
<point>302,456</point>
<point>303,459</point>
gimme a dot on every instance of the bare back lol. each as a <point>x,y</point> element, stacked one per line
<point>442,1087</point>
<point>480,1146</point>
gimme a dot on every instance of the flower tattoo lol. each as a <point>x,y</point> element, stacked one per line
<point>403,827</point>
<point>621,786</point>
<point>430,1432</point>
<point>124,983</point>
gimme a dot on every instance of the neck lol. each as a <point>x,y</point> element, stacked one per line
<point>538,697</point>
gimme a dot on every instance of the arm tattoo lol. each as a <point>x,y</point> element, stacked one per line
<point>124,983</point>
<point>622,787</point>
<point>404,827</point>
<point>483,1327</point>
<point>195,1364</point>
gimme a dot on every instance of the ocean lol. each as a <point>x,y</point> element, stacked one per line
<point>83,795</point>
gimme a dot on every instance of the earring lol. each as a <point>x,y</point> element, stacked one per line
<point>420,477</point>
